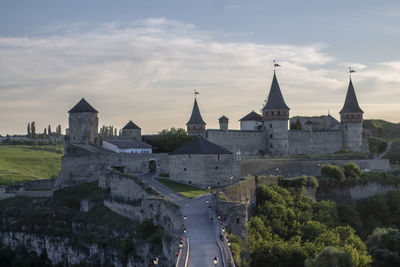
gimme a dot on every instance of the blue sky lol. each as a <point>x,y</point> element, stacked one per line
<point>141,60</point>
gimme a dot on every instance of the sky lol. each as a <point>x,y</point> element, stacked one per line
<point>141,60</point>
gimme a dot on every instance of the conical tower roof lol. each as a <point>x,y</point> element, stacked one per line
<point>82,106</point>
<point>196,118</point>
<point>275,98</point>
<point>130,125</point>
<point>351,103</point>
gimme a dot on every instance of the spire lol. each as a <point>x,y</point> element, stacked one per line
<point>351,103</point>
<point>275,98</point>
<point>196,118</point>
<point>82,106</point>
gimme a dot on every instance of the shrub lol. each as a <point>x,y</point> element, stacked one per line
<point>352,170</point>
<point>332,171</point>
<point>331,256</point>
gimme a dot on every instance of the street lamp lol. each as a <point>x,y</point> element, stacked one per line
<point>184,230</point>
<point>229,243</point>
<point>184,218</point>
<point>215,260</point>
<point>180,244</point>
<point>223,229</point>
<point>155,261</point>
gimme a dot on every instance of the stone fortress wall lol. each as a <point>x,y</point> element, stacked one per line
<point>87,168</point>
<point>245,142</point>
<point>204,169</point>
<point>292,167</point>
<point>315,142</point>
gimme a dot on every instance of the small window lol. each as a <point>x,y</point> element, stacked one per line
<point>184,169</point>
<point>219,157</point>
<point>270,126</point>
<point>73,138</point>
<point>270,135</point>
<point>217,183</point>
<point>237,220</point>
<point>279,113</point>
<point>272,113</point>
<point>270,146</point>
<point>190,182</point>
<point>189,156</point>
<point>216,167</point>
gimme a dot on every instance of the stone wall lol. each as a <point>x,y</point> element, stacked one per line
<point>134,199</point>
<point>204,169</point>
<point>318,142</point>
<point>353,193</point>
<point>92,166</point>
<point>246,142</point>
<point>236,203</point>
<point>290,167</point>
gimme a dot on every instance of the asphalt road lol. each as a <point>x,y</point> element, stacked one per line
<point>202,232</point>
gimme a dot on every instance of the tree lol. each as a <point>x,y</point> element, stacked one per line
<point>44,132</point>
<point>49,130</point>
<point>332,171</point>
<point>384,246</point>
<point>28,129</point>
<point>33,129</point>
<point>298,125</point>
<point>58,130</point>
<point>331,257</point>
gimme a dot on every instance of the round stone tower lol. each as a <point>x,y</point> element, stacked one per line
<point>276,117</point>
<point>196,125</point>
<point>351,118</point>
<point>83,124</point>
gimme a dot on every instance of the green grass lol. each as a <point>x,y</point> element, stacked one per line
<point>25,163</point>
<point>183,189</point>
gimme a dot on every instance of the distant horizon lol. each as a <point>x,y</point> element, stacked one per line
<point>141,61</point>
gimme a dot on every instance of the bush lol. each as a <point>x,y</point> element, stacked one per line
<point>331,256</point>
<point>332,171</point>
<point>352,170</point>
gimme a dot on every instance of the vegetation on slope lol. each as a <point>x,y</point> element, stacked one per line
<point>382,129</point>
<point>24,163</point>
<point>290,229</point>
<point>60,216</point>
<point>183,189</point>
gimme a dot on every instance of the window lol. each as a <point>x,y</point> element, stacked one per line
<point>270,146</point>
<point>216,167</point>
<point>270,126</point>
<point>219,157</point>
<point>185,170</point>
<point>279,113</point>
<point>270,135</point>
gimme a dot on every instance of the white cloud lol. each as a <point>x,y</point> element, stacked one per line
<point>147,71</point>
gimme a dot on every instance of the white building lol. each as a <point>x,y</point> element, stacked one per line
<point>127,146</point>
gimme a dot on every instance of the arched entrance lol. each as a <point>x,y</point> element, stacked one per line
<point>152,165</point>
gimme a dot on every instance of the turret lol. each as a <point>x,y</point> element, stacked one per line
<point>83,124</point>
<point>131,131</point>
<point>276,116</point>
<point>223,123</point>
<point>351,117</point>
<point>196,125</point>
<point>251,122</point>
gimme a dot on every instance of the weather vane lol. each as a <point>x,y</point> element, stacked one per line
<point>351,71</point>
<point>196,92</point>
<point>276,65</point>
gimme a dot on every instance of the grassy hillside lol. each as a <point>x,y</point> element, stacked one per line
<point>382,129</point>
<point>24,163</point>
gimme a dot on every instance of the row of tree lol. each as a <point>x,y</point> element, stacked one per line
<point>32,133</point>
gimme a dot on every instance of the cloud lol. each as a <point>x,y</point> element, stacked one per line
<point>146,72</point>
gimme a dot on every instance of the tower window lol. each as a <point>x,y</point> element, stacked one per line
<point>270,135</point>
<point>216,167</point>
<point>272,113</point>
<point>184,169</point>
<point>270,126</point>
<point>270,146</point>
<point>279,113</point>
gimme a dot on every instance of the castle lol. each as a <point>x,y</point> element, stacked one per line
<point>268,134</point>
<point>218,157</point>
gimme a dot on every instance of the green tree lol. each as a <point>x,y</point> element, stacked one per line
<point>331,257</point>
<point>332,171</point>
<point>384,246</point>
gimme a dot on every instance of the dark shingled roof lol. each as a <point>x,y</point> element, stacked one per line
<point>275,98</point>
<point>196,116</point>
<point>351,103</point>
<point>82,106</point>
<point>200,146</point>
<point>130,125</point>
<point>309,122</point>
<point>128,143</point>
<point>252,116</point>
<point>223,118</point>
